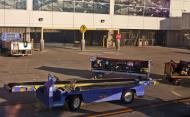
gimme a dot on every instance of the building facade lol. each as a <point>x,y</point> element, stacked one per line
<point>155,20</point>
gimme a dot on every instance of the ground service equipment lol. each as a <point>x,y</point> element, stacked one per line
<point>102,65</point>
<point>55,93</point>
<point>174,71</point>
<point>13,44</point>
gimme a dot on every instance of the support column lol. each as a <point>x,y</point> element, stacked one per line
<point>27,36</point>
<point>109,41</point>
<point>112,5</point>
<point>42,40</point>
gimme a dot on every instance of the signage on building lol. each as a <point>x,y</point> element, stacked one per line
<point>83,29</point>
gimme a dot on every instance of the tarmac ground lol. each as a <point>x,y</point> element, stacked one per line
<point>164,100</point>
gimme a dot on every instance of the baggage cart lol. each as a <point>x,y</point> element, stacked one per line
<point>175,71</point>
<point>101,66</point>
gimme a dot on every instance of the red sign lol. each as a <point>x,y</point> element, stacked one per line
<point>118,36</point>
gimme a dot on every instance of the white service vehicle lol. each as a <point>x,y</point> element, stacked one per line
<point>13,44</point>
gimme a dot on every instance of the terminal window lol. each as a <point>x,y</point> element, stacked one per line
<point>82,6</point>
<point>13,4</point>
<point>153,8</point>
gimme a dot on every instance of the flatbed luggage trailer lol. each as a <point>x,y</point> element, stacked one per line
<point>174,71</point>
<point>101,66</point>
<point>73,96</point>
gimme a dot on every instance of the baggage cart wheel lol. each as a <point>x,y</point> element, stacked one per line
<point>169,79</point>
<point>176,82</point>
<point>98,75</point>
<point>74,103</point>
<point>127,96</point>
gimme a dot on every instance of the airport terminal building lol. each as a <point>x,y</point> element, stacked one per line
<point>151,22</point>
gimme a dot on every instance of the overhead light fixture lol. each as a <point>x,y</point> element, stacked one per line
<point>102,20</point>
<point>40,19</point>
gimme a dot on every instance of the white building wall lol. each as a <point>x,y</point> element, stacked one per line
<point>30,18</point>
<point>186,5</point>
<point>17,18</point>
<point>61,20</point>
<point>46,16</point>
<point>106,18</point>
<point>176,7</point>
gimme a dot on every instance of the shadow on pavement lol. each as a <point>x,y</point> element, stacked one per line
<point>87,74</point>
<point>149,107</point>
<point>27,105</point>
<point>16,98</point>
<point>67,71</point>
<point>178,52</point>
<point>161,79</point>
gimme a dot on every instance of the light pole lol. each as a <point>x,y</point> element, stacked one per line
<point>83,29</point>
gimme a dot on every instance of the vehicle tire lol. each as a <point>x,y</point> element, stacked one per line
<point>74,103</point>
<point>176,82</point>
<point>127,96</point>
<point>98,75</point>
<point>169,79</point>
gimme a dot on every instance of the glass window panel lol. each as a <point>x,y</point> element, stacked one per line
<point>10,4</point>
<point>158,3</point>
<point>63,5</point>
<point>135,2</point>
<point>46,5</point>
<point>36,5</point>
<point>136,11</point>
<point>84,1</point>
<point>20,4</point>
<point>58,5</point>
<point>14,4</point>
<point>2,2</point>
<point>154,8</point>
<point>102,1</point>
<point>68,6</point>
<point>101,8</point>
<point>121,10</point>
<point>121,2</point>
<point>130,2</point>
<point>84,7</point>
<point>156,12</point>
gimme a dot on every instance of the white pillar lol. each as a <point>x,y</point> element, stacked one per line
<point>83,42</point>
<point>29,5</point>
<point>112,3</point>
<point>27,34</point>
<point>42,40</point>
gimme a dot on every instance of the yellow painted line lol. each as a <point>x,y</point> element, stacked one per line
<point>131,109</point>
